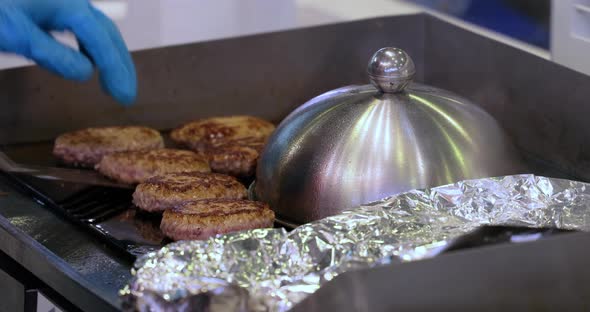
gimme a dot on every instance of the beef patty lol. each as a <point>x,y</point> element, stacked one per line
<point>86,147</point>
<point>201,135</point>
<point>138,166</point>
<point>205,218</point>
<point>233,144</point>
<point>170,190</point>
<point>237,158</point>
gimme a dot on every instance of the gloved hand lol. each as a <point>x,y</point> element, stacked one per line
<point>24,26</point>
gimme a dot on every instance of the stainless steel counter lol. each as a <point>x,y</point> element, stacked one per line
<point>64,256</point>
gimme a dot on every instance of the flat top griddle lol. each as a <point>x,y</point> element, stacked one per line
<point>106,211</point>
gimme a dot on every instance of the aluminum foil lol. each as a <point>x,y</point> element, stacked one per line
<point>272,270</point>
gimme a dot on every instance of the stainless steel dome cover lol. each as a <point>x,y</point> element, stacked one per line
<point>359,144</point>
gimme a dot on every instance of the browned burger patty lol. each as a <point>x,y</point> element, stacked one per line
<point>237,158</point>
<point>205,218</point>
<point>233,144</point>
<point>201,135</point>
<point>87,147</point>
<point>170,190</point>
<point>138,166</point>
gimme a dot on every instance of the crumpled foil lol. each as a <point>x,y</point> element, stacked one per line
<point>272,270</point>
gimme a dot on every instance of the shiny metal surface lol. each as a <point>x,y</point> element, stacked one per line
<point>549,274</point>
<point>355,145</point>
<point>84,176</point>
<point>276,269</point>
<point>65,257</point>
<point>391,69</point>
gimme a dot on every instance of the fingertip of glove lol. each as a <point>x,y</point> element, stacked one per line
<point>124,94</point>
<point>68,64</point>
<point>120,83</point>
<point>126,100</point>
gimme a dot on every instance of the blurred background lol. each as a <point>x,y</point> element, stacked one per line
<point>526,20</point>
<point>555,29</point>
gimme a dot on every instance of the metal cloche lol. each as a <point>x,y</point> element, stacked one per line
<point>359,144</point>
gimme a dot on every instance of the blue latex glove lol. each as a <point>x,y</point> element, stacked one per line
<point>24,26</point>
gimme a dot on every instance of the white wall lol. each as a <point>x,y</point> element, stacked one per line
<point>570,34</point>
